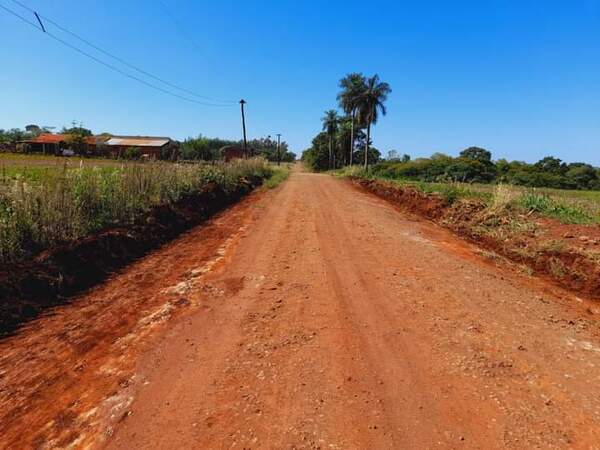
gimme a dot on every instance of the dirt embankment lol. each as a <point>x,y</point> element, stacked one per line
<point>28,288</point>
<point>567,254</point>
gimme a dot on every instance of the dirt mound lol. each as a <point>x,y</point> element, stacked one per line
<point>28,288</point>
<point>567,254</point>
<point>431,206</point>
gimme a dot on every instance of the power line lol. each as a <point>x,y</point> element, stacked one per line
<point>121,60</point>
<point>104,63</point>
<point>180,27</point>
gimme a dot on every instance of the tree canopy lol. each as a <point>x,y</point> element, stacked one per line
<point>475,165</point>
<point>209,149</point>
<point>342,139</point>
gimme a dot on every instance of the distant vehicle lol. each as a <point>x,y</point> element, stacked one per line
<point>67,152</point>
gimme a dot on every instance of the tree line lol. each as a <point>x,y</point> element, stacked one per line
<point>209,149</point>
<point>475,165</point>
<point>15,135</point>
<point>346,139</point>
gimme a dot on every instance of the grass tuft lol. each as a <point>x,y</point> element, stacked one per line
<point>279,175</point>
<point>543,204</point>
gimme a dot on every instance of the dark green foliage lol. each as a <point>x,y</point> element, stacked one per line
<point>76,139</point>
<point>317,156</point>
<point>12,136</point>
<point>549,164</point>
<point>373,158</point>
<point>331,122</point>
<point>477,154</point>
<point>15,135</point>
<point>267,148</point>
<point>475,165</point>
<point>352,86</point>
<point>370,104</point>
<point>132,153</point>
<point>583,175</point>
<point>344,142</point>
<point>209,149</point>
<point>203,148</point>
<point>77,130</point>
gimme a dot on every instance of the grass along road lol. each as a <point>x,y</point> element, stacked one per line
<point>567,206</point>
<point>329,319</point>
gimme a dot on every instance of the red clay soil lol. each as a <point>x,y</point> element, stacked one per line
<point>28,288</point>
<point>312,316</point>
<point>569,255</point>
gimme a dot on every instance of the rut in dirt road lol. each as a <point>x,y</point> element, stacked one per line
<point>335,321</point>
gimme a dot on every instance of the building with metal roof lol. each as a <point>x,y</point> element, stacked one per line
<point>140,146</point>
<point>155,147</point>
<point>138,141</point>
<point>56,143</point>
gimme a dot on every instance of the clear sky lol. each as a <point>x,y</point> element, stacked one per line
<point>520,78</point>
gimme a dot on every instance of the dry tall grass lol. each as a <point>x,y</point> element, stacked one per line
<point>69,204</point>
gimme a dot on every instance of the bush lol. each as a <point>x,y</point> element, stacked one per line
<point>132,153</point>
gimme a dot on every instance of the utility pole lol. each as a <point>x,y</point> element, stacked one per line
<point>242,103</point>
<point>278,149</point>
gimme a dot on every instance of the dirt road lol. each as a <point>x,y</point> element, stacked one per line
<point>313,316</point>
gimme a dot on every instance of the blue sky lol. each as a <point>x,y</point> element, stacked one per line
<point>520,78</point>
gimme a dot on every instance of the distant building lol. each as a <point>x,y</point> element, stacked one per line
<point>55,144</point>
<point>107,145</point>
<point>140,146</point>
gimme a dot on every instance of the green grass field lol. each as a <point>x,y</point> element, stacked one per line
<point>37,160</point>
<point>36,168</point>
<point>567,206</point>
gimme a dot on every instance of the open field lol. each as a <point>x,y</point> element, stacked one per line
<point>38,160</point>
<point>36,168</point>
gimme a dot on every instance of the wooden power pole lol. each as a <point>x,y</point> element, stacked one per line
<point>242,103</point>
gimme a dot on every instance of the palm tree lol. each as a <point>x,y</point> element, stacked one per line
<point>370,103</point>
<point>353,87</point>
<point>343,139</point>
<point>330,125</point>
